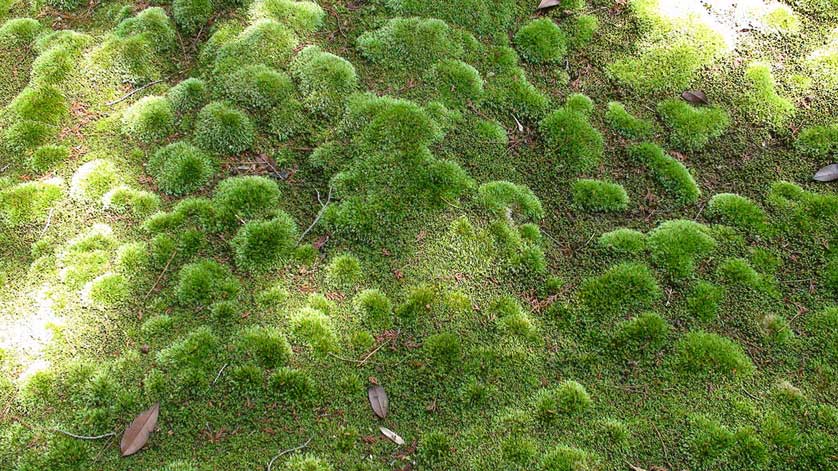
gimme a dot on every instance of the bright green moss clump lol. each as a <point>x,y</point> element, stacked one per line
<point>316,329</point>
<point>188,95</point>
<point>598,195</point>
<point>307,462</point>
<point>444,350</point>
<point>325,80</point>
<point>502,196</point>
<point>266,42</point>
<point>541,41</point>
<point>568,398</point>
<point>660,68</point>
<point>677,245</point>
<point>624,241</point>
<point>25,135</point>
<point>692,127</point>
<point>123,199</point>
<point>511,91</point>
<point>582,30</point>
<point>647,332</point>
<point>456,83</point>
<point>191,15</point>
<point>42,103</point>
<point>107,290</point>
<point>710,353</point>
<point>150,119</point>
<point>344,271</point>
<point>202,282</point>
<point>245,198</point>
<point>265,345</point>
<point>255,87</point>
<point>820,141</point>
<point>625,123</point>
<point>736,270</point>
<point>737,211</point>
<point>28,202</point>
<point>152,26</point>
<point>303,16</point>
<point>703,300</point>
<point>223,129</point>
<point>93,179</point>
<point>55,65</point>
<point>483,17</point>
<point>569,136</point>
<point>410,44</point>
<point>181,168</point>
<point>45,157</point>
<point>264,245</point>
<point>18,32</point>
<point>762,102</point>
<point>567,458</point>
<point>622,288</point>
<point>671,174</point>
<point>375,309</point>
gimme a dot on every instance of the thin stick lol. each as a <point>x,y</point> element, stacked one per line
<point>131,93</point>
<point>49,220</point>
<point>319,214</point>
<point>219,373</point>
<point>84,437</point>
<point>159,277</point>
<point>665,451</point>
<point>368,355</point>
<point>290,450</point>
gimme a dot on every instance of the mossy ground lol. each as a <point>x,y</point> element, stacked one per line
<point>507,334</point>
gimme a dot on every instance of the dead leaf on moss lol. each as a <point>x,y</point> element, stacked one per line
<point>378,400</point>
<point>548,4</point>
<point>136,435</point>
<point>827,174</point>
<point>696,97</point>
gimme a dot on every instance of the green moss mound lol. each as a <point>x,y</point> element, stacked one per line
<point>191,15</point>
<point>303,16</point>
<point>406,44</point>
<point>737,211</point>
<point>256,87</point>
<point>625,123</point>
<point>456,83</point>
<point>150,119</point>
<point>188,95</point>
<point>708,353</point>
<point>571,139</point>
<point>28,202</point>
<point>762,102</point>
<point>622,288</point>
<point>670,173</point>
<point>325,80</point>
<point>47,156</point>
<point>264,245</point>
<point>818,141</point>
<point>244,198</point>
<point>265,345</point>
<point>203,282</point>
<point>598,195</point>
<point>677,245</point>
<point>568,398</point>
<point>181,168</point>
<point>500,197</point>
<point>541,41</point>
<point>623,241</point>
<point>692,128</point>
<point>222,129</point>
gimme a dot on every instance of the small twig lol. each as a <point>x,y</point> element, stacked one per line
<point>290,450</point>
<point>84,437</point>
<point>5,167</point>
<point>319,214</point>
<point>663,445</point>
<point>634,468</point>
<point>49,220</point>
<point>370,354</point>
<point>159,277</point>
<point>131,93</point>
<point>219,373</point>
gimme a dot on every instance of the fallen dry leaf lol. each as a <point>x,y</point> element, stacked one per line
<point>548,4</point>
<point>827,174</point>
<point>696,97</point>
<point>393,436</point>
<point>378,400</point>
<point>136,435</point>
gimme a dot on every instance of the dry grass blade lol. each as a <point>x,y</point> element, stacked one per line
<point>378,400</point>
<point>392,436</point>
<point>136,435</point>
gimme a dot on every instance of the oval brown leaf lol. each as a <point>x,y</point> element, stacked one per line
<point>136,435</point>
<point>393,436</point>
<point>548,4</point>
<point>827,174</point>
<point>378,400</point>
<point>696,97</point>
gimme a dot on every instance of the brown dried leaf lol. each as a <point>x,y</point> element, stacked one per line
<point>827,174</point>
<point>393,436</point>
<point>696,97</point>
<point>136,435</point>
<point>378,400</point>
<point>548,4</point>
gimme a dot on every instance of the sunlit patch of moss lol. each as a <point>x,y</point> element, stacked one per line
<point>152,25</point>
<point>126,200</point>
<point>568,458</point>
<point>823,62</point>
<point>737,211</point>
<point>500,197</point>
<point>569,136</point>
<point>303,16</point>
<point>344,272</point>
<point>244,198</point>
<point>202,282</point>
<point>818,141</point>
<point>188,95</point>
<point>148,120</point>
<point>257,87</point>
<point>47,156</point>
<point>627,124</point>
<point>624,241</point>
<point>223,129</point>
<point>410,44</point>
<point>93,179</point>
<point>181,168</point>
<point>781,18</point>
<point>55,65</point>
<point>375,309</point>
<point>191,360</point>
<point>316,329</point>
<point>646,333</point>
<point>670,173</point>
<point>457,84</point>
<point>25,135</point>
<point>599,195</point>
<point>567,399</point>
<point>761,100</point>
<point>484,17</point>
<point>265,42</point>
<point>541,41</point>
<point>678,244</point>
<point>264,245</point>
<point>265,345</point>
<point>510,91</point>
<point>132,259</point>
<point>707,353</point>
<point>692,127</point>
<point>307,462</point>
<point>42,103</point>
<point>132,59</point>
<point>107,290</point>
<point>325,80</point>
<point>28,202</point>
<point>624,287</point>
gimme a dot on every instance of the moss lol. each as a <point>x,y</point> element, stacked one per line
<point>93,179</point>
<point>222,129</point>
<point>829,276</point>
<point>624,287</point>
<point>737,211</point>
<point>265,245</point>
<point>191,361</point>
<point>126,200</point>
<point>375,309</point>
<point>566,458</point>
<point>670,173</point>
<point>700,352</point>
<point>648,332</point>
<point>131,59</point>
<point>180,465</point>
<point>762,102</point>
<point>302,16</point>
<point>265,345</point>
<point>19,32</point>
<point>307,462</point>
<point>823,62</point>
<point>108,290</point>
<point>265,42</point>
<point>244,198</point>
<point>510,91</point>
<point>598,195</point>
<point>316,329</point>
<point>703,300</point>
<point>444,350</point>
<point>456,83</point>
<point>624,241</point>
<point>499,197</point>
<point>257,87</point>
<point>202,282</point>
<point>47,156</point>
<point>692,127</point>
<point>819,141</point>
<point>181,168</point>
<point>582,30</point>
<point>625,123</point>
<point>28,202</point>
<point>55,65</point>
<point>569,136</point>
<point>42,103</point>
<point>149,120</point>
<point>191,15</point>
<point>406,44</point>
<point>25,135</point>
<point>781,18</point>
<point>541,41</point>
<point>325,80</point>
<point>660,68</point>
<point>388,124</point>
<point>512,319</point>
<point>678,244</point>
<point>188,95</point>
<point>132,259</point>
<point>484,17</point>
<point>151,25</point>
<point>822,333</point>
<point>580,103</point>
<point>344,272</point>
<point>737,270</point>
<point>567,399</point>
